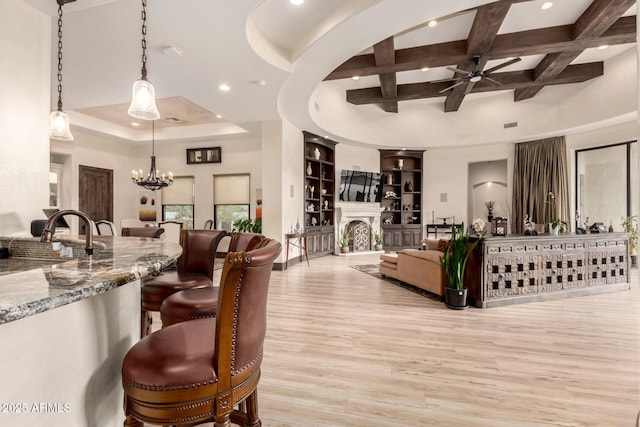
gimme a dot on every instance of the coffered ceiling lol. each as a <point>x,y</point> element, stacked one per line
<point>603,23</point>
<point>286,62</point>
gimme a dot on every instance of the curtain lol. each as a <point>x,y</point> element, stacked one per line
<point>540,168</point>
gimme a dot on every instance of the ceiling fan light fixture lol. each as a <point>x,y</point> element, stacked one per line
<point>475,79</point>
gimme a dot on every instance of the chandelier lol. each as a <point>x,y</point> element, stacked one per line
<point>143,95</point>
<point>154,179</point>
<point>59,120</point>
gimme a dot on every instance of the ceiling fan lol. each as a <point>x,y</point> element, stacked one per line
<point>475,75</point>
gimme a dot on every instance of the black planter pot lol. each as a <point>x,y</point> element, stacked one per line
<point>456,299</point>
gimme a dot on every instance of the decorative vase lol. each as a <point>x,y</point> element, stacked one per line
<point>309,170</point>
<point>344,249</point>
<point>390,179</point>
<point>316,154</point>
<point>377,247</point>
<point>400,163</point>
<point>456,299</point>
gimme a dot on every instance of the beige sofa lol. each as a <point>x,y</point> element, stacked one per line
<point>415,267</point>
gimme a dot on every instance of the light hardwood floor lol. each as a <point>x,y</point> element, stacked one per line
<point>346,349</point>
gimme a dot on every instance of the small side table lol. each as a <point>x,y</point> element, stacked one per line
<point>297,240</point>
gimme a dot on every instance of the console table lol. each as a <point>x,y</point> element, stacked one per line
<point>446,229</point>
<point>297,240</point>
<point>516,269</point>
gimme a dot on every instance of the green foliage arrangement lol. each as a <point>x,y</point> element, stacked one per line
<point>377,237</point>
<point>344,238</point>
<point>630,225</point>
<point>247,225</point>
<point>455,256</point>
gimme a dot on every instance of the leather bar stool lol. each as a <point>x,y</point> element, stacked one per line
<point>200,303</point>
<point>198,371</point>
<point>194,270</point>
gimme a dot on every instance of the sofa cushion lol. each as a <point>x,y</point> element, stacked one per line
<point>430,244</point>
<point>390,258</point>
<point>426,255</point>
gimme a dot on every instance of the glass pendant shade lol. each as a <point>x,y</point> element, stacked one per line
<point>143,101</point>
<point>59,126</point>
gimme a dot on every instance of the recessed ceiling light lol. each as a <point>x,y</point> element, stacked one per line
<point>432,23</point>
<point>224,87</point>
<point>546,5</point>
<point>296,2</point>
<point>134,124</point>
<point>355,77</point>
<point>424,69</point>
<point>218,116</point>
<point>604,46</point>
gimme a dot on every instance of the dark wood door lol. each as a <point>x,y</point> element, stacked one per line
<point>95,193</point>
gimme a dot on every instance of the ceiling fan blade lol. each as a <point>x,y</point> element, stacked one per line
<point>452,86</point>
<point>452,79</point>
<point>457,70</point>
<point>495,82</point>
<point>497,67</point>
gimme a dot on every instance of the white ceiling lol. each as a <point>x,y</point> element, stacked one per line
<point>271,53</point>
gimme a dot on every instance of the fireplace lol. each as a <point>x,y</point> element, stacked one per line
<point>360,219</point>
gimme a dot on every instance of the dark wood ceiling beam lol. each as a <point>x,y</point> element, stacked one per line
<point>384,54</point>
<point>436,55</point>
<point>532,42</point>
<point>483,32</point>
<point>599,16</point>
<point>558,39</point>
<point>510,80</point>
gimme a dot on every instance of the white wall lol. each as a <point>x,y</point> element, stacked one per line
<point>24,115</point>
<point>446,172</point>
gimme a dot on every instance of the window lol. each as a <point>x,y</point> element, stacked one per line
<point>230,200</point>
<point>178,201</point>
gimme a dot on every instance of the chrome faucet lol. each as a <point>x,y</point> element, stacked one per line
<point>50,228</point>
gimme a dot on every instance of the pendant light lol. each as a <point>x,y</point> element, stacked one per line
<point>154,179</point>
<point>143,95</point>
<point>59,120</point>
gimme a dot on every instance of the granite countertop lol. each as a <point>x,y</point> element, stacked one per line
<point>32,285</point>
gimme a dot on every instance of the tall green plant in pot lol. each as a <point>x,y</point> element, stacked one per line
<point>630,225</point>
<point>453,262</point>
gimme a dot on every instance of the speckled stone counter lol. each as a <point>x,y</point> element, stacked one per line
<point>42,282</point>
<point>65,327</point>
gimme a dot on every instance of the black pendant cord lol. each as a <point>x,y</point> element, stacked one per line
<point>60,3</point>
<point>144,40</point>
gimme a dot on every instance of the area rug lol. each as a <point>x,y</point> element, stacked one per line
<point>373,270</point>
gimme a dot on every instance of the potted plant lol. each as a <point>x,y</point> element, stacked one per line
<point>556,225</point>
<point>246,225</point>
<point>453,263</point>
<point>377,239</point>
<point>630,225</point>
<point>344,240</point>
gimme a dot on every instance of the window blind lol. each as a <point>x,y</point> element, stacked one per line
<point>180,192</point>
<point>231,189</point>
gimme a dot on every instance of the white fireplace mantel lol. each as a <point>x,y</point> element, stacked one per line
<point>368,213</point>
